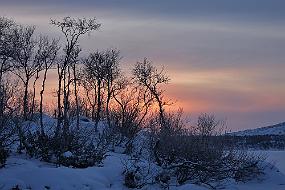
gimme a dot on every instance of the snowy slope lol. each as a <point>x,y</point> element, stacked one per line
<point>278,129</point>
<point>31,174</point>
<point>36,175</point>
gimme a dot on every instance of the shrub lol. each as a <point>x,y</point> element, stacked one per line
<point>85,148</point>
<point>139,172</point>
<point>3,156</point>
<point>201,156</point>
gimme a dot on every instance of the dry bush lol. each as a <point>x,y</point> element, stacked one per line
<point>82,148</point>
<point>202,155</point>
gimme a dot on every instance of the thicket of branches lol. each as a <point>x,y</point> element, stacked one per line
<point>93,90</point>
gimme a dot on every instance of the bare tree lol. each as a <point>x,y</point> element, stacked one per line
<point>25,63</point>
<point>6,27</point>
<point>208,125</point>
<point>147,76</point>
<point>47,54</point>
<point>112,74</point>
<point>33,96</point>
<point>75,80</point>
<point>72,29</point>
<point>89,96</point>
<point>94,69</point>
<point>133,107</point>
<point>6,50</point>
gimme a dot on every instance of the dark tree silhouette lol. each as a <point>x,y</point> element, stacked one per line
<point>112,74</point>
<point>72,30</point>
<point>47,54</point>
<point>94,69</point>
<point>147,76</point>
<point>6,51</point>
<point>26,66</point>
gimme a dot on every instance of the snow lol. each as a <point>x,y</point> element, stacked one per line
<point>34,126</point>
<point>49,122</point>
<point>36,175</point>
<point>67,154</point>
<point>275,157</point>
<point>278,129</point>
<point>32,174</point>
<point>140,147</point>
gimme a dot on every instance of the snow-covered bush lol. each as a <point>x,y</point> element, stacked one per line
<point>86,146</point>
<point>201,157</point>
<point>85,151</point>
<point>124,127</point>
<point>82,154</point>
<point>86,157</point>
<point>140,172</point>
<point>142,145</point>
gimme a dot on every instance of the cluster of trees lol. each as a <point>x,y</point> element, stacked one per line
<point>95,87</point>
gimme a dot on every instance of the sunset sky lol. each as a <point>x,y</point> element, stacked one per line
<point>225,57</point>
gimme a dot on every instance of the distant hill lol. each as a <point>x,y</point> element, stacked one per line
<point>278,129</point>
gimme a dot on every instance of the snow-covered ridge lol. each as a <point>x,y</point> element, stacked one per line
<point>278,129</point>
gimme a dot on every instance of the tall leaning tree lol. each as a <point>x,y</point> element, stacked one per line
<point>72,29</point>
<point>47,55</point>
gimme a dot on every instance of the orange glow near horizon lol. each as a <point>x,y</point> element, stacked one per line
<point>207,91</point>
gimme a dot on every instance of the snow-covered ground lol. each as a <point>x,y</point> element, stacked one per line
<point>33,174</point>
<point>275,157</point>
<point>36,175</point>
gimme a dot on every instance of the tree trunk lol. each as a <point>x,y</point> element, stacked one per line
<point>59,120</point>
<point>98,104</point>
<point>161,110</point>
<point>107,105</point>
<point>76,96</point>
<point>26,100</point>
<point>41,101</point>
<point>65,102</point>
<point>34,94</point>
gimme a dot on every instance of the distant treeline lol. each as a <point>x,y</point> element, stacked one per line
<point>262,142</point>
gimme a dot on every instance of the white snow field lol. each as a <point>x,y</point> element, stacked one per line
<point>278,129</point>
<point>31,174</point>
